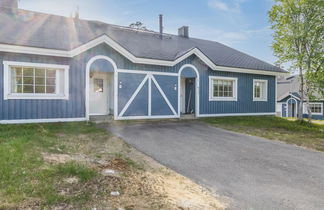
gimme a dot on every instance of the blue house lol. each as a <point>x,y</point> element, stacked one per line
<point>57,68</point>
<point>289,100</point>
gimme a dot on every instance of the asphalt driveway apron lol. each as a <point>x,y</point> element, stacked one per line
<point>255,173</point>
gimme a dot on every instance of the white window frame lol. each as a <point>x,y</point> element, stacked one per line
<point>211,88</point>
<point>7,82</point>
<point>312,103</point>
<point>266,90</point>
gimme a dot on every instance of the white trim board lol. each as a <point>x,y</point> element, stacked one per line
<point>106,39</point>
<point>52,120</point>
<point>237,114</point>
<point>148,117</point>
<point>129,71</point>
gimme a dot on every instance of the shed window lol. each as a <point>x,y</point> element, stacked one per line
<point>223,88</point>
<point>316,108</point>
<point>35,81</point>
<point>260,90</point>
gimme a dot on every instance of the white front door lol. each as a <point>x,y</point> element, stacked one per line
<point>99,94</point>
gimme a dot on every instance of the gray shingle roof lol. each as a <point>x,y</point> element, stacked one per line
<point>56,32</point>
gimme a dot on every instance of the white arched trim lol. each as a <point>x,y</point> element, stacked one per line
<point>87,93</point>
<point>287,106</point>
<point>197,85</point>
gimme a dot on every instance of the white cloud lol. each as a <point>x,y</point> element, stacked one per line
<point>230,5</point>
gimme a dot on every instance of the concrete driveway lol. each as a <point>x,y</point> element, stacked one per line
<point>255,173</point>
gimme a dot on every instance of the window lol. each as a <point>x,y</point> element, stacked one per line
<point>98,85</point>
<point>222,89</point>
<point>35,81</point>
<point>260,90</point>
<point>316,108</point>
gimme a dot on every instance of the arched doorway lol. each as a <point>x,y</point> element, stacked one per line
<point>188,90</point>
<point>101,80</point>
<point>292,107</point>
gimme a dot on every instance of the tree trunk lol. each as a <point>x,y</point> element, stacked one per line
<point>301,92</point>
<point>307,88</point>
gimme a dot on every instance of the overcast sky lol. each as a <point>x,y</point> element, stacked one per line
<point>241,24</point>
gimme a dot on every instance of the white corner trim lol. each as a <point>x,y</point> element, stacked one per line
<point>106,39</point>
<point>7,95</point>
<point>266,90</point>
<point>237,114</point>
<point>51,120</point>
<point>211,89</point>
<point>197,84</point>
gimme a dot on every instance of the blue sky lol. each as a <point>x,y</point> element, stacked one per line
<point>241,24</point>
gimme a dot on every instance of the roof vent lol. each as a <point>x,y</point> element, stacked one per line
<point>10,5</point>
<point>184,31</point>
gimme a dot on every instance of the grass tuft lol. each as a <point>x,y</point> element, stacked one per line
<point>73,169</point>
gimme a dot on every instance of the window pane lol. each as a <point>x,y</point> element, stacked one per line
<point>230,94</point>
<point>98,85</point>
<point>28,72</point>
<point>50,89</point>
<point>40,81</point>
<point>259,90</point>
<point>50,81</point>
<point>28,80</point>
<point>28,89</point>
<point>40,89</point>
<point>225,94</point>
<point>40,73</point>
<point>50,73</point>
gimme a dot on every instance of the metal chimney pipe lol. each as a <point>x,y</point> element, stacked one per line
<point>161,25</point>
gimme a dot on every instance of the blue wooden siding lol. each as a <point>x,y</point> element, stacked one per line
<point>75,106</point>
<point>43,109</point>
<point>244,103</point>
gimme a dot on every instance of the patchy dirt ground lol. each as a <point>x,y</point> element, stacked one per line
<point>79,166</point>
<point>145,186</point>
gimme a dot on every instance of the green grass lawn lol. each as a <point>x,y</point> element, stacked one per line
<point>275,128</point>
<point>27,180</point>
<point>24,176</point>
